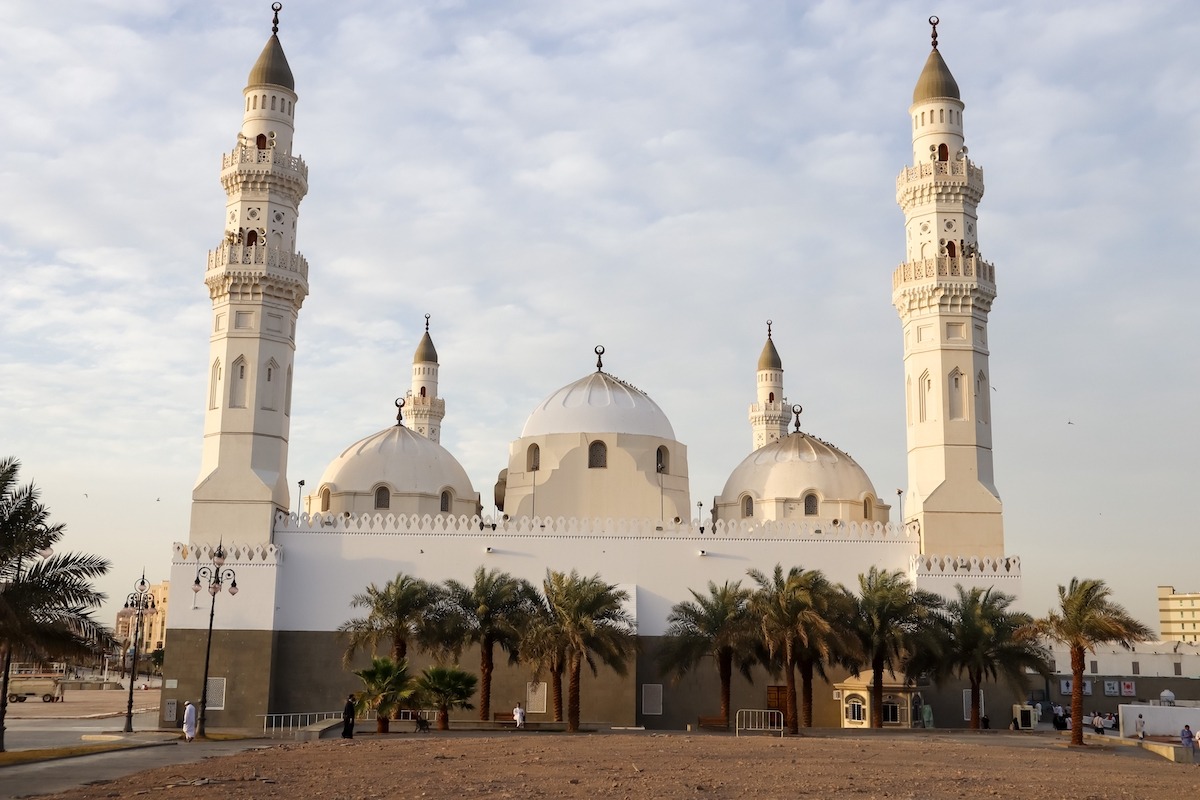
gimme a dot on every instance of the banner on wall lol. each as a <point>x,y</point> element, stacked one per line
<point>1128,689</point>
<point>1064,687</point>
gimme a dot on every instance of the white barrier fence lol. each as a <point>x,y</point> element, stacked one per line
<point>759,720</point>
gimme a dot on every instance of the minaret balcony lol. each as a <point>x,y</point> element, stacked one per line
<point>957,269</point>
<point>963,169</point>
<point>240,256</point>
<point>252,161</point>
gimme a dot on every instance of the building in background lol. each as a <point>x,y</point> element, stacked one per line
<point>1178,615</point>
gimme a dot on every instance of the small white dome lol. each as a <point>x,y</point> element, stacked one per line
<point>796,464</point>
<point>406,461</point>
<point>599,403</point>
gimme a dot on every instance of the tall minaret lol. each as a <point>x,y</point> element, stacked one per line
<point>943,293</point>
<point>769,416</point>
<point>257,282</point>
<point>425,409</point>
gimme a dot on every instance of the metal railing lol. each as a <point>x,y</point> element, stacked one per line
<point>288,725</point>
<point>759,720</point>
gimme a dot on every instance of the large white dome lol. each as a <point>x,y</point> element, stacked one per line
<point>406,461</point>
<point>796,464</point>
<point>599,403</point>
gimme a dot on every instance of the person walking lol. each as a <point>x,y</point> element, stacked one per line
<point>1139,727</point>
<point>348,717</point>
<point>1188,739</point>
<point>519,717</point>
<point>189,721</point>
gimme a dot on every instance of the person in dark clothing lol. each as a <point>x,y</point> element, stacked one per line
<point>348,718</point>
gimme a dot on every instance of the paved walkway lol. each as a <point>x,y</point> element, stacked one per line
<point>48,777</point>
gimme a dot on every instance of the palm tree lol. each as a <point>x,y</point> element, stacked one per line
<point>982,639</point>
<point>386,685</point>
<point>543,649</point>
<point>396,614</point>
<point>593,626</point>
<point>1086,617</point>
<point>796,613</point>
<point>718,624</point>
<point>490,612</point>
<point>47,599</point>
<point>446,688</point>
<point>889,618</point>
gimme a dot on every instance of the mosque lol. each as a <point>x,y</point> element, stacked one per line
<point>595,481</point>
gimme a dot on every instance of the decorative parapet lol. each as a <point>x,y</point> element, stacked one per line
<point>935,566</point>
<point>807,530</point>
<point>945,267</point>
<point>232,254</point>
<point>272,159</point>
<point>963,168</point>
<point>199,554</point>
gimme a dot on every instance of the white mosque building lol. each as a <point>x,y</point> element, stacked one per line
<point>595,481</point>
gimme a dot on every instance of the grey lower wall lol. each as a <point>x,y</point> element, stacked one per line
<point>302,671</point>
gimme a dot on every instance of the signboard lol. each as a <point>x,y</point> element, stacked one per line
<point>1064,687</point>
<point>1128,689</point>
<point>1111,688</point>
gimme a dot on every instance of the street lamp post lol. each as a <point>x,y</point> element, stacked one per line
<point>215,577</point>
<point>138,601</point>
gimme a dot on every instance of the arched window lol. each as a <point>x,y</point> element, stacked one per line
<point>747,506</point>
<point>325,499</point>
<point>214,385</point>
<point>982,398</point>
<point>924,397</point>
<point>287,393</point>
<point>770,397</point>
<point>270,389</point>
<point>811,505</point>
<point>951,249</point>
<point>663,460</point>
<point>261,141</point>
<point>943,153</point>
<point>256,102</point>
<point>383,498</point>
<point>597,455</point>
<point>855,710</point>
<point>957,394</point>
<point>273,102</point>
<point>868,506</point>
<point>445,508</point>
<point>422,391</point>
<point>237,384</point>
<point>533,458</point>
<point>251,238</point>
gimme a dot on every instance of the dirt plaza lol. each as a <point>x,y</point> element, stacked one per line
<point>925,764</point>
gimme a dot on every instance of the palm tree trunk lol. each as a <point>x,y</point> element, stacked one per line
<point>443,718</point>
<point>877,693</point>
<point>789,713</point>
<point>576,664</point>
<point>399,650</point>
<point>1077,695</point>
<point>486,665</point>
<point>806,693</point>
<point>381,722</point>
<point>725,667</point>
<point>976,680</point>
<point>4,693</point>
<point>556,688</point>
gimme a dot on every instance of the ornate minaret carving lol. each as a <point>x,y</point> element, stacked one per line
<point>425,409</point>
<point>257,282</point>
<point>769,416</point>
<point>943,293</point>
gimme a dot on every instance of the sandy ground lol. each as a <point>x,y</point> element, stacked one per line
<point>541,765</point>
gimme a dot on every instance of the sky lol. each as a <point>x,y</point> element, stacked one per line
<point>659,177</point>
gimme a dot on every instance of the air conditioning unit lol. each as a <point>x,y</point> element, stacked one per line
<point>837,694</point>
